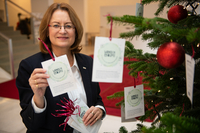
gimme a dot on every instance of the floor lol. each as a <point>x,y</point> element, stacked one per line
<point>10,120</point>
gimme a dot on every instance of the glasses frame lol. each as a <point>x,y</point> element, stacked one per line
<point>60,26</point>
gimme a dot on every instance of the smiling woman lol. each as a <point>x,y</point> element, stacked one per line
<point>50,19</point>
<point>62,31</point>
<point>61,38</point>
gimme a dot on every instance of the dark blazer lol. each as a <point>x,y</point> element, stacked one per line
<point>45,122</point>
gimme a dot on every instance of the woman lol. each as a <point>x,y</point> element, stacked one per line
<point>62,31</point>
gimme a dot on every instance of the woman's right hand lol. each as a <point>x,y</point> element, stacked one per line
<point>38,83</point>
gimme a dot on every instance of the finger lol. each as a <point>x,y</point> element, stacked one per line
<point>95,117</point>
<point>94,121</point>
<point>87,113</point>
<point>42,85</point>
<point>38,70</point>
<point>40,81</point>
<point>36,86</point>
<point>89,119</point>
<point>40,76</point>
<point>36,74</point>
<point>95,114</point>
<point>98,115</point>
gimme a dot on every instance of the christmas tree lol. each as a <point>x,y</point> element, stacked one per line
<point>165,72</point>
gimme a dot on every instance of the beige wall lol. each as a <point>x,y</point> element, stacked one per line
<point>60,1</point>
<point>13,11</point>
<point>93,20</point>
<point>92,16</point>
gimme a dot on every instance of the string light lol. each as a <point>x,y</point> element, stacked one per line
<point>171,78</point>
<point>194,6</point>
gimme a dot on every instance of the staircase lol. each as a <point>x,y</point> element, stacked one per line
<point>22,47</point>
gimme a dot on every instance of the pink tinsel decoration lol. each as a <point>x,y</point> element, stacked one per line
<point>68,110</point>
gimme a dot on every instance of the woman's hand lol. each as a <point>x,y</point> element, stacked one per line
<point>38,83</point>
<point>92,115</point>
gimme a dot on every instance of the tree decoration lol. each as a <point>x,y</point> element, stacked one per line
<point>170,55</point>
<point>167,86</point>
<point>177,13</point>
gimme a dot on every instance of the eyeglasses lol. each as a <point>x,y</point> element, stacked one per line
<point>57,27</point>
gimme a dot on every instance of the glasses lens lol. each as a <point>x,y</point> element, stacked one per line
<point>68,26</point>
<point>56,26</point>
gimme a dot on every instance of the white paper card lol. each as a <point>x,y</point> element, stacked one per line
<point>190,66</point>
<point>123,115</point>
<point>134,101</point>
<point>108,60</point>
<point>61,78</point>
<point>76,122</point>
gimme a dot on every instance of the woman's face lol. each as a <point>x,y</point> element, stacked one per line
<point>61,38</point>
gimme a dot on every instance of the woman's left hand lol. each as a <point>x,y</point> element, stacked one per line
<point>92,115</point>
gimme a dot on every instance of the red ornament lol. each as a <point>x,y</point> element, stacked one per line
<point>170,55</point>
<point>177,13</point>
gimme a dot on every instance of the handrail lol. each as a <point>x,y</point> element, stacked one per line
<point>32,16</point>
<point>10,50</point>
<point>19,8</point>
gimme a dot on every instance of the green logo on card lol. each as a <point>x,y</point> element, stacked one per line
<point>83,111</point>
<point>58,71</point>
<point>134,97</point>
<point>109,54</point>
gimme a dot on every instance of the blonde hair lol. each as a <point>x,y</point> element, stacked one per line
<point>43,30</point>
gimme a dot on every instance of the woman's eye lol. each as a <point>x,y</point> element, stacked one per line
<point>56,26</point>
<point>68,26</point>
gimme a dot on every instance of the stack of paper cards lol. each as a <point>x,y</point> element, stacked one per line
<point>76,122</point>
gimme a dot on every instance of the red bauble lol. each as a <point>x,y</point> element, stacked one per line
<point>170,55</point>
<point>177,13</point>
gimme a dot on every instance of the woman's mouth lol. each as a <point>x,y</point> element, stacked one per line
<point>63,38</point>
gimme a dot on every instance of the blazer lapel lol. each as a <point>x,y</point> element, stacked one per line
<point>84,69</point>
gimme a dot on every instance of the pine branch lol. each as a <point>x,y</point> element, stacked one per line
<point>126,19</point>
<point>167,3</point>
<point>119,94</point>
<point>172,123</point>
